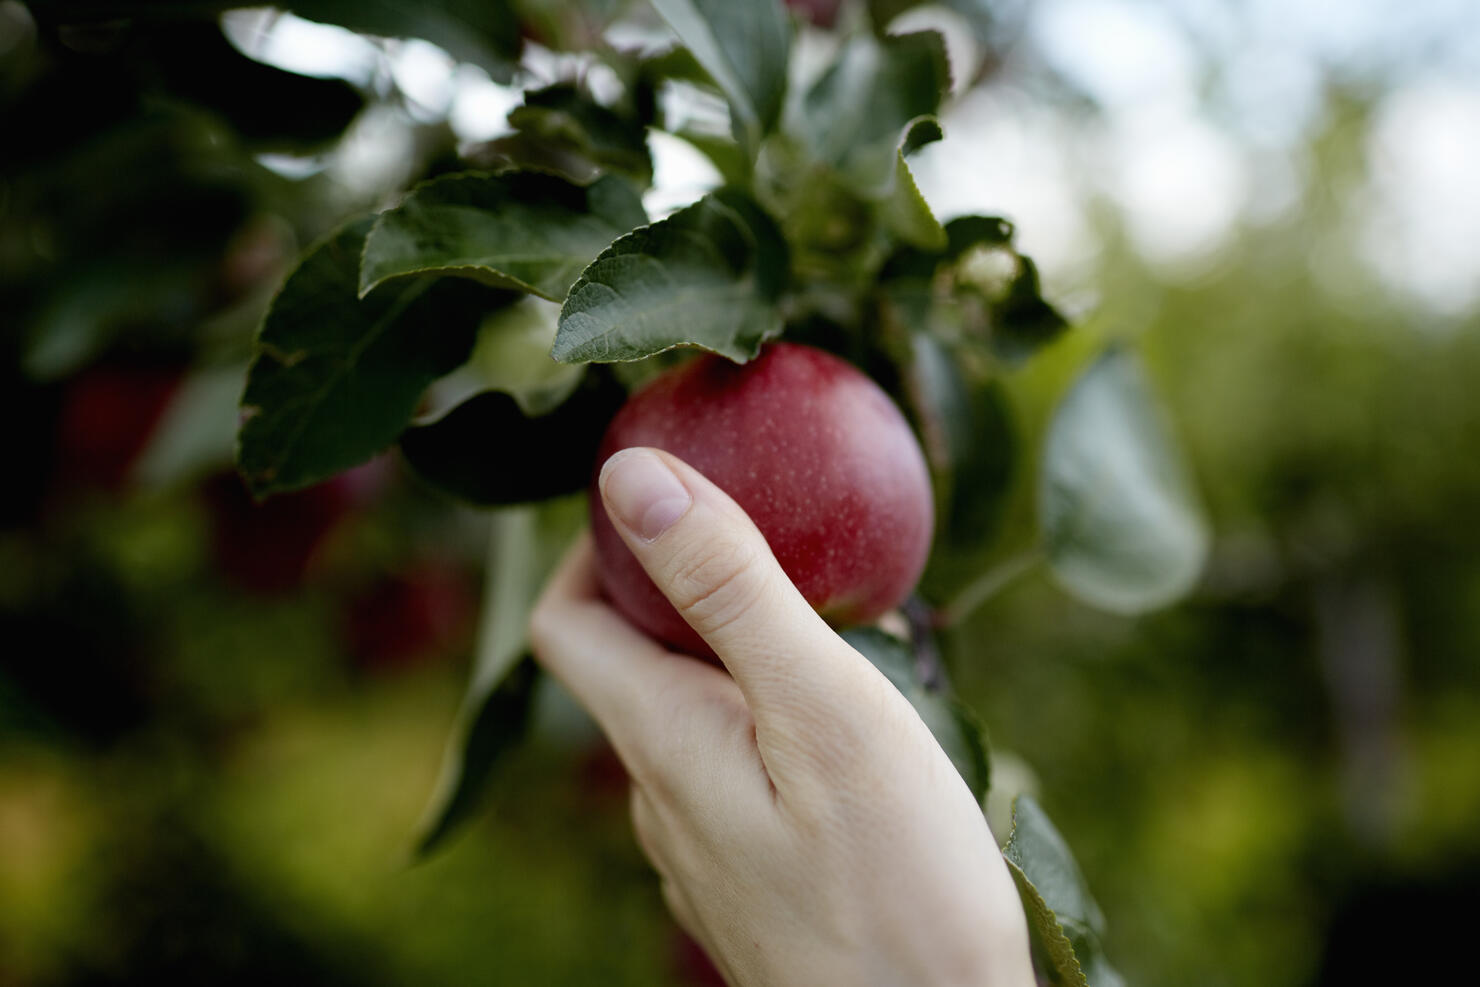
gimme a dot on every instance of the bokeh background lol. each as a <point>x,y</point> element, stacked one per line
<point>220,722</point>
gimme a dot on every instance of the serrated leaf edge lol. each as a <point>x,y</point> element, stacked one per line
<point>1060,943</point>
<point>711,199</point>
<point>505,280</point>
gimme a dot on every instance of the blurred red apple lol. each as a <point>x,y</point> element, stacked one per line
<point>692,967</point>
<point>266,547</point>
<point>422,613</point>
<point>816,454</point>
<point>823,13</point>
<point>108,414</point>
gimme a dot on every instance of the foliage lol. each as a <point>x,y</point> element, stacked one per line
<point>819,234</point>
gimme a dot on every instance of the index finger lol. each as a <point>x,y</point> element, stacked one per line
<point>629,683</point>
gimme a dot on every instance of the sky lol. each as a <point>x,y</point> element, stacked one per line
<point>1204,104</point>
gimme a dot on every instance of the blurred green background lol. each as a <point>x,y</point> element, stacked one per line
<point>220,722</point>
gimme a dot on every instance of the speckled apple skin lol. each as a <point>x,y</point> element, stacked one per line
<point>813,450</point>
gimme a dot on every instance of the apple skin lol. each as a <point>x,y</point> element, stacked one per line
<point>267,547</point>
<point>423,613</point>
<point>813,450</point>
<point>108,415</point>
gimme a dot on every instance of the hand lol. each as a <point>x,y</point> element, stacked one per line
<point>806,826</point>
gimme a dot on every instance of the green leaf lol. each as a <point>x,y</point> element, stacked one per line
<point>1022,321</point>
<point>745,48</point>
<point>196,435</point>
<point>336,378</point>
<point>482,31</point>
<point>195,62</point>
<point>522,230</point>
<point>905,210</point>
<point>980,15</point>
<point>485,733</point>
<point>956,728</point>
<point>524,544</point>
<point>521,151</point>
<point>875,91</point>
<point>993,291</point>
<point>563,116</point>
<point>969,438</point>
<point>487,451</point>
<point>707,276</point>
<point>962,234</point>
<point>88,310</point>
<point>1063,920</point>
<point>727,157</point>
<point>513,355</point>
<point>1121,525</point>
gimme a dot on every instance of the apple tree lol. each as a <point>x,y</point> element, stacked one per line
<point>488,321</point>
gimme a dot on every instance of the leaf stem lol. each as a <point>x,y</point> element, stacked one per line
<point>987,585</point>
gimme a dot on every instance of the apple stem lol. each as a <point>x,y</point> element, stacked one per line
<point>929,669</point>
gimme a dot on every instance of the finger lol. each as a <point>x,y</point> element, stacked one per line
<point>707,557</point>
<point>650,836</point>
<point>645,830</point>
<point>660,710</point>
<point>574,578</point>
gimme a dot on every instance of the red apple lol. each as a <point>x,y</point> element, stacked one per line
<point>108,415</point>
<point>423,613</point>
<point>692,967</point>
<point>815,453</point>
<point>267,547</point>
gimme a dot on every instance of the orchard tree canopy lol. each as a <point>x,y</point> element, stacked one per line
<point>483,307</point>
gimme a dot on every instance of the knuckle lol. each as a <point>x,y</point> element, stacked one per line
<point>717,585</point>
<point>847,734</point>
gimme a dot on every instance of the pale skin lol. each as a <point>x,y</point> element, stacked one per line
<point>805,826</point>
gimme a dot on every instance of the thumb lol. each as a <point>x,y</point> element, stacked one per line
<point>706,556</point>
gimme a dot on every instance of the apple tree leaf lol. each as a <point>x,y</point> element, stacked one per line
<point>197,433</point>
<point>980,15</point>
<point>90,308</point>
<point>994,291</point>
<point>969,439</point>
<point>563,116</point>
<point>1022,321</point>
<point>336,377</point>
<point>524,545</point>
<point>522,230</point>
<point>489,452</point>
<point>512,355</point>
<point>962,234</point>
<point>192,60</point>
<point>485,32</point>
<point>1122,528</point>
<point>727,157</point>
<point>484,732</point>
<point>905,211</point>
<point>956,728</point>
<point>1064,922</point>
<point>745,48</point>
<point>857,111</point>
<point>709,276</point>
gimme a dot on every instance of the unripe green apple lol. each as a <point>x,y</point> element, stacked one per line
<point>813,450</point>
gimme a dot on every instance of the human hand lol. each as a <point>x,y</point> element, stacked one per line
<point>806,826</point>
